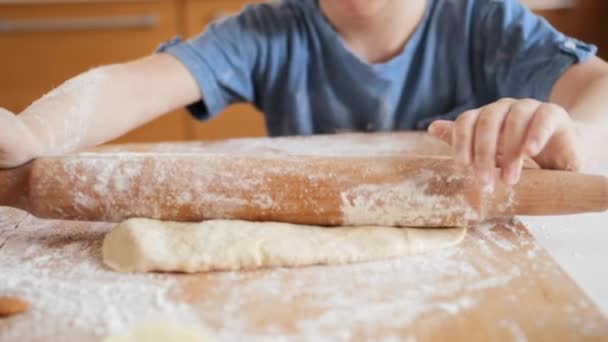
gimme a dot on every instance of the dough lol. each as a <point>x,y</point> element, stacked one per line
<point>160,332</point>
<point>142,245</point>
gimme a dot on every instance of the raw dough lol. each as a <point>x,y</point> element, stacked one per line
<point>142,245</point>
<point>160,332</point>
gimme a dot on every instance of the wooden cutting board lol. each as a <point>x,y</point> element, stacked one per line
<point>497,285</point>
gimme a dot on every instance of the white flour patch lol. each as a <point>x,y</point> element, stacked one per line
<point>344,301</point>
<point>490,235</point>
<point>515,331</point>
<point>457,306</point>
<point>351,144</point>
<point>406,203</point>
<point>60,274</point>
<point>66,134</point>
<point>56,266</point>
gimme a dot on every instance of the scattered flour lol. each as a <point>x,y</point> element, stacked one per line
<point>129,184</point>
<point>345,144</point>
<point>516,333</point>
<point>406,203</point>
<point>56,266</point>
<point>58,270</point>
<point>67,133</point>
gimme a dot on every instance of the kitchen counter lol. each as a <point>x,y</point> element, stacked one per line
<point>579,243</point>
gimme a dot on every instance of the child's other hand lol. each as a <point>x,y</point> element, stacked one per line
<point>504,132</point>
<point>17,143</point>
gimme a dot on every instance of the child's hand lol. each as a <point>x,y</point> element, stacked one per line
<point>17,143</point>
<point>504,132</point>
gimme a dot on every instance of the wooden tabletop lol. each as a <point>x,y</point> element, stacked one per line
<point>498,284</point>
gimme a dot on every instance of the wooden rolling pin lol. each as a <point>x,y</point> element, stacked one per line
<point>392,190</point>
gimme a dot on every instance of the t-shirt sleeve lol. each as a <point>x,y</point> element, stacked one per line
<point>222,60</point>
<point>519,54</point>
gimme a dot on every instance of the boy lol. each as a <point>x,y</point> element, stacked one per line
<point>513,85</point>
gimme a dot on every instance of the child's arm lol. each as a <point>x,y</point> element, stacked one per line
<point>583,92</point>
<point>96,106</point>
<point>563,134</point>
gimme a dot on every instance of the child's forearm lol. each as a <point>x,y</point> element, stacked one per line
<point>106,102</point>
<point>63,119</point>
<point>591,110</point>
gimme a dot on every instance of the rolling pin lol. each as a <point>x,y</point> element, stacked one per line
<point>391,190</point>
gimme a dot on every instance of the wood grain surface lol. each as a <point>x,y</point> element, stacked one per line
<point>497,285</point>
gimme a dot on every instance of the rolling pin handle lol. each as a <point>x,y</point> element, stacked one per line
<point>544,192</point>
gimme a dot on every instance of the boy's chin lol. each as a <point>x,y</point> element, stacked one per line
<point>357,8</point>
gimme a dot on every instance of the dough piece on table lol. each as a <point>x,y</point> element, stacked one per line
<point>160,332</point>
<point>141,245</point>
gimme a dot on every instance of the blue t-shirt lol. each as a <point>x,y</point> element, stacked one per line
<point>286,59</point>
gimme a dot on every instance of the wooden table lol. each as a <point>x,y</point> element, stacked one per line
<point>498,284</point>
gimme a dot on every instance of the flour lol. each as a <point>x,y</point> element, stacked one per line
<point>411,192</point>
<point>351,144</point>
<point>64,134</point>
<point>119,185</point>
<point>60,274</point>
<point>493,237</point>
<point>57,268</point>
<point>107,182</point>
<point>406,203</point>
<point>455,307</point>
<point>344,300</point>
<point>515,331</point>
<point>185,180</point>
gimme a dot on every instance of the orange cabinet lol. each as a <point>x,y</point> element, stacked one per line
<point>584,19</point>
<point>43,44</point>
